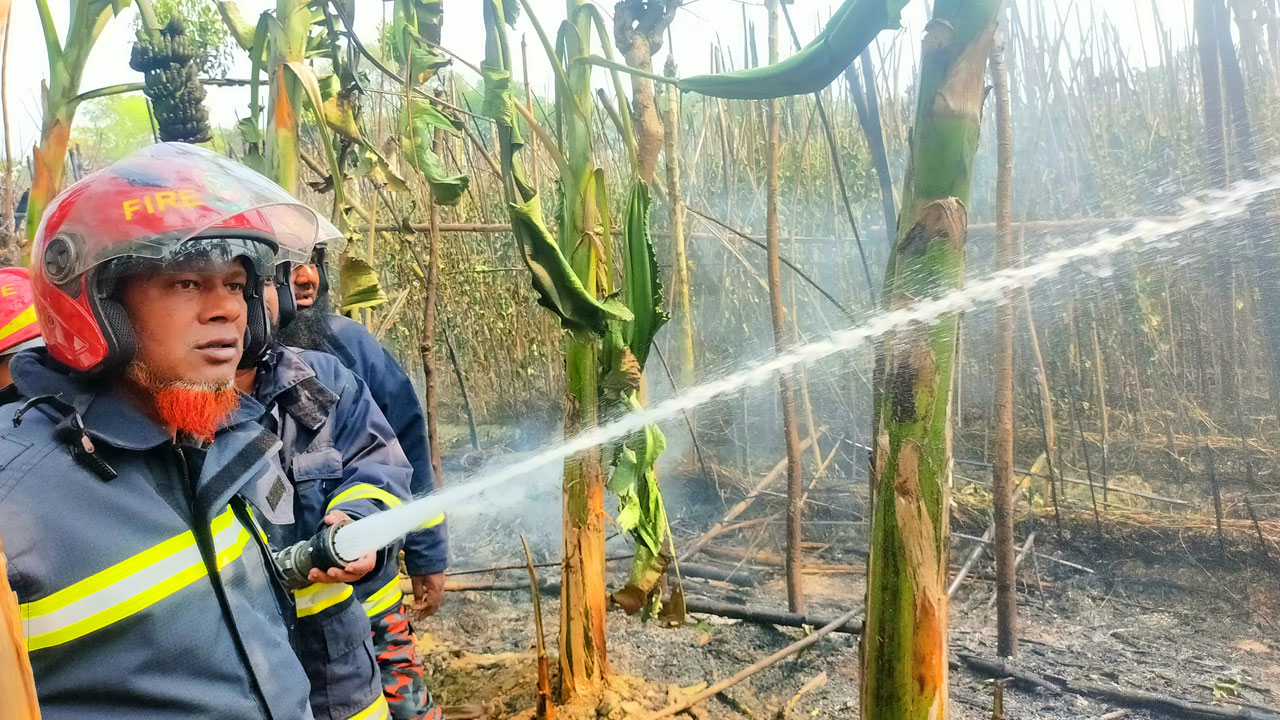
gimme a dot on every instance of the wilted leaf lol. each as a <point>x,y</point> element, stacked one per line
<point>421,120</point>
<point>646,571</point>
<point>249,131</point>
<point>359,285</point>
<point>674,609</point>
<point>339,110</point>
<point>376,167</point>
<point>558,287</point>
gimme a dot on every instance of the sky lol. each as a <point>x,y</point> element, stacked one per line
<point>698,24</point>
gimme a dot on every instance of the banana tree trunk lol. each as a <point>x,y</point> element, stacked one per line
<point>49,164</point>
<point>904,648</point>
<point>583,659</point>
<point>67,60</point>
<point>285,99</point>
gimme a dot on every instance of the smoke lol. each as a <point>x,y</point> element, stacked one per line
<point>381,530</point>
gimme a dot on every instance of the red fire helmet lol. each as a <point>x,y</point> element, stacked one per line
<point>167,204</point>
<point>18,326</point>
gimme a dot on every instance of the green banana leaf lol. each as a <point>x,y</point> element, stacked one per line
<point>643,286</point>
<point>418,20</point>
<point>339,108</point>
<point>421,120</point>
<point>559,289</point>
<point>641,513</point>
<point>240,30</point>
<point>358,283</point>
<point>851,29</point>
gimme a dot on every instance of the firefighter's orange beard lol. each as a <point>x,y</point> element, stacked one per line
<point>196,409</point>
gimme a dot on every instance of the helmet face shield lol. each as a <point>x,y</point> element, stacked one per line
<point>195,255</point>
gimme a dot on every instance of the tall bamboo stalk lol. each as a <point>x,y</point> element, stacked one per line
<point>675,206</point>
<point>782,341</point>
<point>1002,437</point>
<point>904,646</point>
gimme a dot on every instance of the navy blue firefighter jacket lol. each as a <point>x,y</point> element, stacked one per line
<point>147,590</point>
<point>337,453</point>
<point>426,552</point>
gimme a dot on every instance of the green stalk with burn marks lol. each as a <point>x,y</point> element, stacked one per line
<point>904,647</point>
<point>610,330</point>
<point>67,57</point>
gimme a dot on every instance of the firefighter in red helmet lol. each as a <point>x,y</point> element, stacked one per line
<point>146,586</point>
<point>18,327</point>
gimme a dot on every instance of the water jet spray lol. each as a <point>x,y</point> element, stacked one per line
<point>380,530</point>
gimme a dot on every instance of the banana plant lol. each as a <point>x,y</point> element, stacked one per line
<point>59,97</point>
<point>611,331</point>
<point>851,29</point>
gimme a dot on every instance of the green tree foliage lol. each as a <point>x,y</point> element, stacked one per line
<point>111,127</point>
<point>206,32</point>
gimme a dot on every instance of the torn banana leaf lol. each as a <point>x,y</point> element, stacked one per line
<point>850,30</point>
<point>559,289</point>
<point>421,120</point>
<point>374,166</point>
<point>358,283</point>
<point>640,511</point>
<point>643,288</point>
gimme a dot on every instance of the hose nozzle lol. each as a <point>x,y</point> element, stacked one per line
<point>319,553</point>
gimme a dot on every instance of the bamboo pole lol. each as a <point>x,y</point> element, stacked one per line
<point>1002,463</point>
<point>782,340</point>
<point>675,205</point>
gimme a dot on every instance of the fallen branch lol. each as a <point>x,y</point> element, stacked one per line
<point>968,563</point>
<point>765,615</point>
<point>756,667</point>
<point>745,503</point>
<point>1050,558</point>
<point>818,681</point>
<point>1112,693</point>
<point>737,577</point>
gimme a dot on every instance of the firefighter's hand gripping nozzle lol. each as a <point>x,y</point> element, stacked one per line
<point>297,561</point>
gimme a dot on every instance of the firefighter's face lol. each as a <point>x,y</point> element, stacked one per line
<point>306,284</point>
<point>189,325</point>
<point>271,296</point>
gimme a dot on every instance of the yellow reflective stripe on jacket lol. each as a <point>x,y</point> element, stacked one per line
<point>320,596</point>
<point>432,522</point>
<point>362,491</point>
<point>129,586</point>
<point>25,319</point>
<point>384,599</point>
<point>376,711</point>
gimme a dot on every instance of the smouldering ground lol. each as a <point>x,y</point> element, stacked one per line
<point>1177,628</point>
